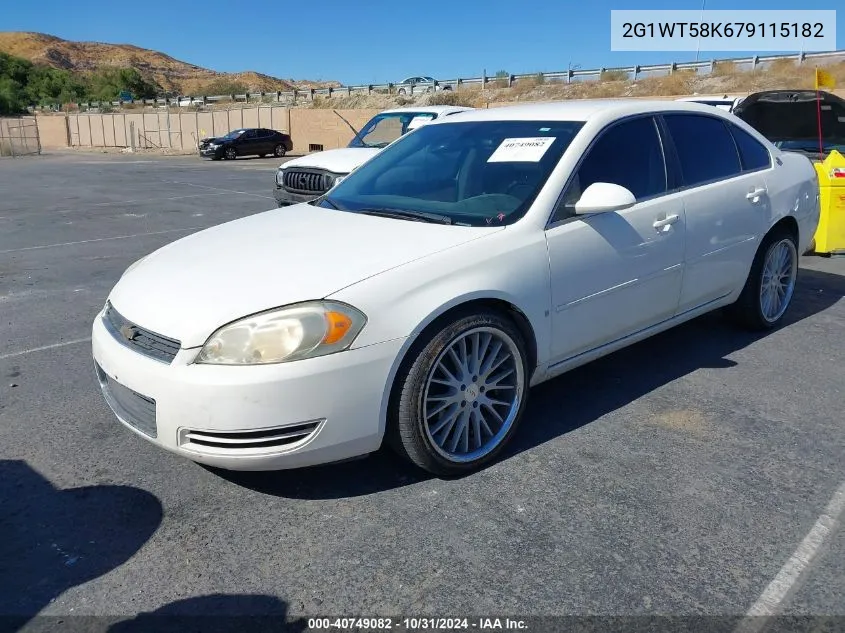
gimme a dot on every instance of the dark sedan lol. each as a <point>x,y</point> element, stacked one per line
<point>246,142</point>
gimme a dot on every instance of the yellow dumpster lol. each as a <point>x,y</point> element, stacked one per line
<point>830,236</point>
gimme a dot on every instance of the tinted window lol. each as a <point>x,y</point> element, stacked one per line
<point>629,154</point>
<point>752,153</point>
<point>481,173</point>
<point>705,148</point>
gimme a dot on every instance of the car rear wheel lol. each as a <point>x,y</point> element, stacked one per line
<point>279,151</point>
<point>460,394</point>
<point>768,291</point>
<point>231,153</point>
<point>401,91</point>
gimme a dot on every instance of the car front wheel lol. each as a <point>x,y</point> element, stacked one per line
<point>768,291</point>
<point>231,153</point>
<point>461,394</point>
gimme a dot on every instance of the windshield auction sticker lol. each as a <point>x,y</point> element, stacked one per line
<point>521,150</point>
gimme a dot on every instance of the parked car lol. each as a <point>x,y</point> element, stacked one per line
<point>418,301</point>
<point>418,84</point>
<point>723,103</point>
<point>305,178</point>
<point>246,142</point>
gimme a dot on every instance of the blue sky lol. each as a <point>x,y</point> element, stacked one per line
<point>367,41</point>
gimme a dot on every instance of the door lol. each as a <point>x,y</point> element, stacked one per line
<point>267,140</point>
<point>616,273</point>
<point>248,143</point>
<point>722,171</point>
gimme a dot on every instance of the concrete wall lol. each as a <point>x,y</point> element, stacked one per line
<point>324,127</point>
<point>180,130</point>
<point>53,131</point>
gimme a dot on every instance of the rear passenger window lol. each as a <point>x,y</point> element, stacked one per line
<point>706,149</point>
<point>752,153</point>
<point>629,154</point>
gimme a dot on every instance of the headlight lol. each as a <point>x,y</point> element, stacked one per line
<point>280,177</point>
<point>214,146</point>
<point>299,331</point>
<point>330,181</point>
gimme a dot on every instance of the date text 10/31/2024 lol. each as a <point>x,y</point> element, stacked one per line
<point>416,624</point>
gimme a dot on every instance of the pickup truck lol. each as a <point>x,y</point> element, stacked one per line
<point>308,177</point>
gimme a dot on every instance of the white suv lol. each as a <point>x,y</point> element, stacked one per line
<point>308,177</point>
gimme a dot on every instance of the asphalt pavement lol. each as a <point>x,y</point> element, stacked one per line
<point>679,476</point>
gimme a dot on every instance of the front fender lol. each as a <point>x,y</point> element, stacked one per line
<point>511,266</point>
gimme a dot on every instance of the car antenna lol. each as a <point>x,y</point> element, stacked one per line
<point>357,134</point>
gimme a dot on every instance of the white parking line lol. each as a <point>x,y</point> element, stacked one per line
<point>44,347</point>
<point>99,239</point>
<point>190,184</point>
<point>794,570</point>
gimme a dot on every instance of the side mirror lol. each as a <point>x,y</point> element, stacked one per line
<point>601,197</point>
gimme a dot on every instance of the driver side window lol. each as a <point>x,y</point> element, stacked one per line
<point>628,154</point>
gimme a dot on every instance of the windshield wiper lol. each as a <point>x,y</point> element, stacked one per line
<point>324,198</point>
<point>354,131</point>
<point>403,214</point>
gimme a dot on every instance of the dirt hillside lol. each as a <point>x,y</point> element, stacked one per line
<point>171,74</point>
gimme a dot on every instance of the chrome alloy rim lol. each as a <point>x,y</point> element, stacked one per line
<point>473,394</point>
<point>778,282</point>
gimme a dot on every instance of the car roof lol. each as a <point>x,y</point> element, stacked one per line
<point>603,110</point>
<point>439,110</point>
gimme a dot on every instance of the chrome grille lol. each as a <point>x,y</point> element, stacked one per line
<point>303,181</point>
<point>244,440</point>
<point>135,409</point>
<point>143,341</point>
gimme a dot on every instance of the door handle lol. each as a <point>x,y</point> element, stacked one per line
<point>665,222</point>
<point>754,194</point>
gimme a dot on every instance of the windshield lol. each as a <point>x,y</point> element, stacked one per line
<point>383,129</point>
<point>479,173</point>
<point>810,145</point>
<point>232,135</point>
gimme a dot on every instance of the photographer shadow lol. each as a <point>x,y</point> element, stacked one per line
<point>52,540</point>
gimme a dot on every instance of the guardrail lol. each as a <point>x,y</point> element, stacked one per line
<point>632,72</point>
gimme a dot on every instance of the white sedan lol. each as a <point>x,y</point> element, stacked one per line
<point>417,301</point>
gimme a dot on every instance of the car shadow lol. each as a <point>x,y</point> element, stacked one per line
<point>52,540</point>
<point>567,402</point>
<point>217,613</point>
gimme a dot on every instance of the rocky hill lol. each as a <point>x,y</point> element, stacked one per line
<point>169,73</point>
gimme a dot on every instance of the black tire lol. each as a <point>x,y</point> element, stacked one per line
<point>231,153</point>
<point>747,311</point>
<point>279,150</point>
<point>406,431</point>
<point>401,91</point>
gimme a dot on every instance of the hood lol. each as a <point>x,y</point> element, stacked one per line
<point>337,161</point>
<point>792,115</point>
<point>191,287</point>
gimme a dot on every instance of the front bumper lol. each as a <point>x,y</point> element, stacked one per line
<point>268,417</point>
<point>285,198</point>
<point>207,152</point>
